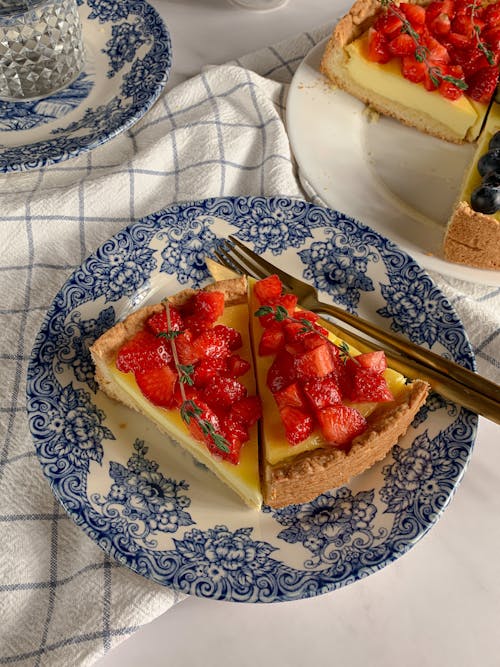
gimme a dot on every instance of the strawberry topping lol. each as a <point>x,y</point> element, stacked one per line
<point>311,379</point>
<point>450,45</point>
<point>203,381</point>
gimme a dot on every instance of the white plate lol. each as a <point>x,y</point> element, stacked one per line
<point>148,504</point>
<point>128,60</point>
<point>395,179</point>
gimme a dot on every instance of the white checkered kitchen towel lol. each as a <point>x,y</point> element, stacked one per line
<point>62,601</point>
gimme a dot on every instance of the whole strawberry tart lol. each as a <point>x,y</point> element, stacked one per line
<point>433,66</point>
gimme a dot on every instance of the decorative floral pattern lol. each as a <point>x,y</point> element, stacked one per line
<point>186,245</point>
<point>271,226</point>
<point>122,47</point>
<point>72,347</point>
<point>339,268</point>
<point>142,500</point>
<point>335,527</point>
<point>123,270</point>
<point>230,557</point>
<point>141,518</point>
<point>125,27</point>
<point>76,429</point>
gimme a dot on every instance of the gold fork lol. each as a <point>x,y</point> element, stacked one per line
<point>446,377</point>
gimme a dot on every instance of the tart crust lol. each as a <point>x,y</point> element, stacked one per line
<point>333,65</point>
<point>472,238</point>
<point>306,476</point>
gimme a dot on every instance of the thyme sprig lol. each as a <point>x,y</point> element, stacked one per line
<point>488,53</point>
<point>281,313</point>
<point>189,408</point>
<point>422,52</point>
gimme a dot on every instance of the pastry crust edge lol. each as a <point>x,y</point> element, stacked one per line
<point>472,238</point>
<point>312,473</point>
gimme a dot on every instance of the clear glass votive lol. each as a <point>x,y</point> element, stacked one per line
<point>260,5</point>
<point>41,47</point>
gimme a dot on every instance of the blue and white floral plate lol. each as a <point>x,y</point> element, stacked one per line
<point>148,504</point>
<point>128,60</point>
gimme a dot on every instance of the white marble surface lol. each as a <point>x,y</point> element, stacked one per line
<point>440,603</point>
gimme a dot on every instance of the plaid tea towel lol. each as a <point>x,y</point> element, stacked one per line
<point>62,600</point>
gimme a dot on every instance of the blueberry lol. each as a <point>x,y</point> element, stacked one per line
<point>486,199</point>
<point>492,179</point>
<point>495,141</point>
<point>490,161</point>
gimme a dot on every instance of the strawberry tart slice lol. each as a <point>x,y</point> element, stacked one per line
<point>329,412</point>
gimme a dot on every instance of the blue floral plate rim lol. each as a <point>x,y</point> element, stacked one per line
<point>156,511</point>
<point>129,57</point>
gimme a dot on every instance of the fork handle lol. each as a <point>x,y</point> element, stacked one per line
<point>442,384</point>
<point>428,359</point>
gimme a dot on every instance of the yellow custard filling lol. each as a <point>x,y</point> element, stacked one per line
<point>464,117</point>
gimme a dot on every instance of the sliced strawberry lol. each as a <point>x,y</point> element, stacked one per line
<point>447,88</point>
<point>231,336</point>
<point>340,424</point>
<point>207,369</point>
<point>157,385</point>
<point>388,24</point>
<point>437,8</point>
<point>375,361</point>
<point>312,339</point>
<point>297,423</point>
<point>210,343</point>
<point>268,289</point>
<point>184,346</point>
<point>306,315</point>
<point>142,352</point>
<point>322,392</point>
<point>461,43</point>
<point>414,13</point>
<point>441,25</point>
<point>248,410</point>
<point>286,301</point>
<point>412,69</point>
<point>203,308</point>
<point>237,366</point>
<point>272,339</point>
<point>482,84</point>
<point>158,322</point>
<point>378,47</point>
<point>294,332</point>
<point>317,362</point>
<point>194,421</point>
<point>369,386</point>
<point>462,25</point>
<point>235,435</point>
<point>402,45</point>
<point>222,392</point>
<point>491,15</point>
<point>281,372</point>
<point>491,37</point>
<point>291,396</point>
<point>437,52</point>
